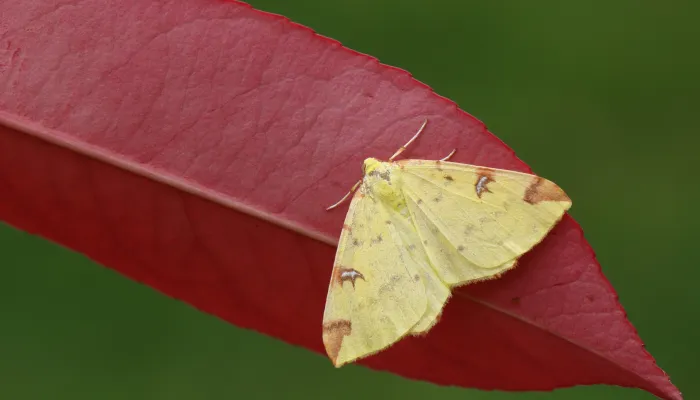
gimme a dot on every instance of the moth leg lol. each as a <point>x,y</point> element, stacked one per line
<point>403,148</point>
<point>354,187</point>
<point>449,155</point>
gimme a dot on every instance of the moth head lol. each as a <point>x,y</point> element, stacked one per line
<point>370,165</point>
<point>382,181</point>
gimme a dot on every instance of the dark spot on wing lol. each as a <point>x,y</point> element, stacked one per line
<point>391,285</point>
<point>460,248</point>
<point>416,277</point>
<point>377,240</point>
<point>484,177</point>
<point>449,178</point>
<point>343,275</point>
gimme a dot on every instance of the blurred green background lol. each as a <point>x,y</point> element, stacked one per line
<point>600,96</point>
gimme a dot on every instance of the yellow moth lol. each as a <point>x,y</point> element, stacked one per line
<point>414,230</point>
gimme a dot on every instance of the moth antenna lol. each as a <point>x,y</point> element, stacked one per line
<point>449,155</point>
<point>354,187</point>
<point>403,148</point>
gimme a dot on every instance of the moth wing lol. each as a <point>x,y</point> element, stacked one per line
<point>376,293</point>
<point>438,291</point>
<point>475,222</point>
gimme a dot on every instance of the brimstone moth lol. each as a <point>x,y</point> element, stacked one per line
<point>414,230</point>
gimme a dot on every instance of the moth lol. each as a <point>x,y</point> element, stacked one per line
<point>414,230</point>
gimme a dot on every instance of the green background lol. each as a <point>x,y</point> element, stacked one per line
<point>600,96</point>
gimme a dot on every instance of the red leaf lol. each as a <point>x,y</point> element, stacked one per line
<point>192,145</point>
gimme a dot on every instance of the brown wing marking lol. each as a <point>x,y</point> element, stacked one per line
<point>543,190</point>
<point>347,274</point>
<point>333,334</point>
<point>484,177</point>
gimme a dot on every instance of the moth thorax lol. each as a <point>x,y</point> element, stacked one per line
<point>383,182</point>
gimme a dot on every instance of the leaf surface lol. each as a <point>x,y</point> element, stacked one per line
<point>193,145</point>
